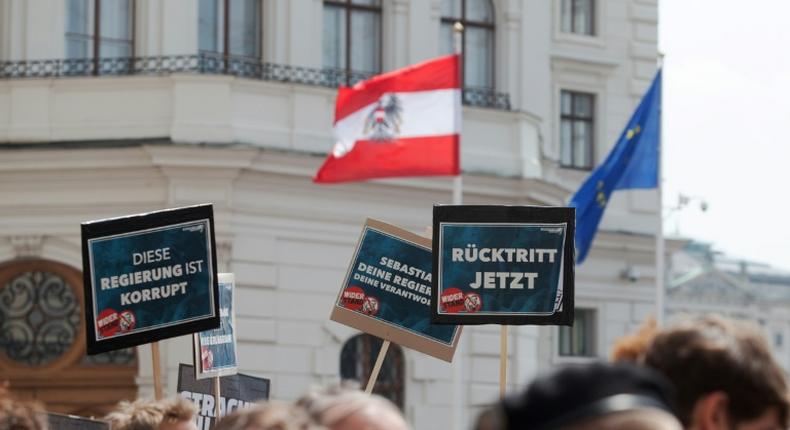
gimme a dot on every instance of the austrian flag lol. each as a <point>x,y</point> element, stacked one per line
<point>402,123</point>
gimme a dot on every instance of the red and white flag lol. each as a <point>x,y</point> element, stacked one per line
<point>402,123</point>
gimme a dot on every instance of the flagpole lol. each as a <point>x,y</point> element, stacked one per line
<point>458,198</point>
<point>660,290</point>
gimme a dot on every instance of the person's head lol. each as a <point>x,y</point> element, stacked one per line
<point>21,415</point>
<point>349,409</point>
<point>591,396</point>
<point>631,348</point>
<point>170,414</point>
<point>723,373</point>
<point>268,416</point>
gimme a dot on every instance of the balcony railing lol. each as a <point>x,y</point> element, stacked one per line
<point>215,64</point>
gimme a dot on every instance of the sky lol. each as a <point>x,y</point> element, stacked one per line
<point>726,113</point>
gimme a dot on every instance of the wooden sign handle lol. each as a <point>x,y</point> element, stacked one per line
<point>502,361</point>
<point>157,370</point>
<point>216,398</point>
<point>377,367</point>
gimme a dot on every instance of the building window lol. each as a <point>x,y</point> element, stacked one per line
<point>99,29</point>
<point>477,40</point>
<point>578,16</point>
<point>579,340</point>
<point>576,129</point>
<point>230,27</point>
<point>356,363</point>
<point>42,342</point>
<point>352,35</point>
<point>778,340</point>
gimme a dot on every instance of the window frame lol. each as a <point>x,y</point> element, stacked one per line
<point>96,37</point>
<point>348,7</point>
<point>394,356</point>
<point>223,7</point>
<point>573,118</point>
<point>592,342</point>
<point>474,24</point>
<point>593,18</point>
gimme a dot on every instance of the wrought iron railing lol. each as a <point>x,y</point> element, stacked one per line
<point>217,64</point>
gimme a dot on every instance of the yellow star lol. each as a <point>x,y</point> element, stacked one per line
<point>638,128</point>
<point>629,134</point>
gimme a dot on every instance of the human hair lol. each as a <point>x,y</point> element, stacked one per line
<point>267,416</point>
<point>146,414</point>
<point>331,406</point>
<point>711,354</point>
<point>635,419</point>
<point>631,348</point>
<point>178,409</point>
<point>21,415</point>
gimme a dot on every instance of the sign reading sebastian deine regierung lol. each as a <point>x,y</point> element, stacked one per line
<point>149,277</point>
<point>387,291</point>
<point>503,265</point>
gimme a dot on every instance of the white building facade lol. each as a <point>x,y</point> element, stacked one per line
<point>117,107</point>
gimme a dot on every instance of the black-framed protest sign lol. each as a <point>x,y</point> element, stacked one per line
<point>215,350</point>
<point>73,422</point>
<point>149,276</point>
<point>238,391</point>
<point>503,265</point>
<point>387,290</point>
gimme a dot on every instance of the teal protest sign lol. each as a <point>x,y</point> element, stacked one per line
<point>215,350</point>
<point>387,291</point>
<point>149,277</point>
<point>503,265</point>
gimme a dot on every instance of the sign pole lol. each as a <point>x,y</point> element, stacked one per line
<point>157,370</point>
<point>377,367</point>
<point>216,397</point>
<point>502,361</point>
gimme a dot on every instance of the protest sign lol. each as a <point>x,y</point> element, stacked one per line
<point>73,422</point>
<point>149,277</point>
<point>387,288</point>
<point>215,350</point>
<point>503,265</point>
<point>238,391</point>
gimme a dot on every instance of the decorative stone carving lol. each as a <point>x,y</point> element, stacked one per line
<point>27,246</point>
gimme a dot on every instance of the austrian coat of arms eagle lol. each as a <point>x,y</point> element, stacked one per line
<point>384,121</point>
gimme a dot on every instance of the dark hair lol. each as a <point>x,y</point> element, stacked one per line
<point>573,394</point>
<point>712,354</point>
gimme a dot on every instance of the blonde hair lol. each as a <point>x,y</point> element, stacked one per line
<point>332,405</point>
<point>267,416</point>
<point>21,415</point>
<point>146,414</point>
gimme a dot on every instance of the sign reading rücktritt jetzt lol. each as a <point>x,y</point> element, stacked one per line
<point>149,277</point>
<point>503,265</point>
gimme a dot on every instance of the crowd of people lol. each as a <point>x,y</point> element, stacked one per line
<point>702,374</point>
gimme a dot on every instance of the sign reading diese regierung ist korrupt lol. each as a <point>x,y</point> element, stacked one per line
<point>503,265</point>
<point>387,291</point>
<point>149,276</point>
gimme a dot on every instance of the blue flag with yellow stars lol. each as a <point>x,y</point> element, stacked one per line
<point>633,163</point>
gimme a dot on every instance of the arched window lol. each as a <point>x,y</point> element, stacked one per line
<point>42,342</point>
<point>477,17</point>
<point>99,29</point>
<point>352,35</point>
<point>230,27</point>
<point>358,357</point>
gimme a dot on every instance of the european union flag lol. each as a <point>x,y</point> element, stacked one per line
<point>633,163</point>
